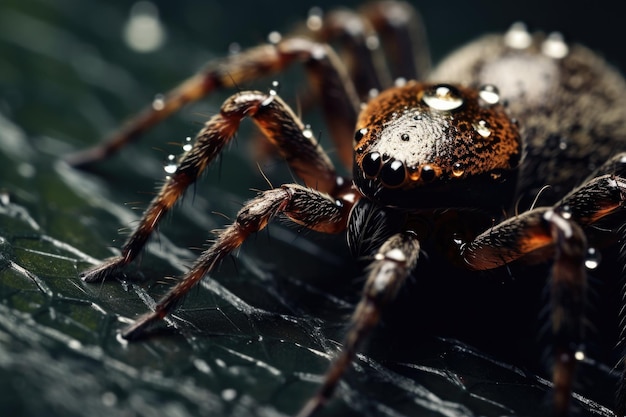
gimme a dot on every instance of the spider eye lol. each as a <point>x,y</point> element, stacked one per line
<point>428,173</point>
<point>359,134</point>
<point>371,164</point>
<point>393,173</point>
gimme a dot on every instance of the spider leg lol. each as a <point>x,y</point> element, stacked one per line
<point>279,124</point>
<point>403,33</point>
<point>365,64</point>
<point>365,35</point>
<point>310,208</point>
<point>392,264</point>
<point>336,90</point>
<point>559,227</point>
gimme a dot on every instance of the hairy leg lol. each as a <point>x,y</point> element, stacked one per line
<point>279,124</point>
<point>310,208</point>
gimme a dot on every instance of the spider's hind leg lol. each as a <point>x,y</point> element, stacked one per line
<point>560,229</point>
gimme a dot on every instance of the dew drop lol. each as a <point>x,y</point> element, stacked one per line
<point>554,46</point>
<point>593,258</point>
<point>372,42</point>
<point>109,399</point>
<point>74,344</point>
<point>202,366</point>
<point>399,82</point>
<point>482,127</point>
<point>489,94</point>
<point>274,88</point>
<point>170,166</point>
<point>274,37</point>
<point>234,48</point>
<point>159,102</point>
<point>307,132</point>
<point>442,97</point>
<point>188,144</point>
<point>273,92</point>
<point>458,169</point>
<point>517,37</point>
<point>315,19</point>
<point>229,394</point>
<point>144,32</point>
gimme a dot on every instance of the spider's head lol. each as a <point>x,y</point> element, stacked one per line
<point>436,146</point>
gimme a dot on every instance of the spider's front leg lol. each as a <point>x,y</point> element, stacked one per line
<point>279,124</point>
<point>310,208</point>
<point>559,228</point>
<point>392,264</point>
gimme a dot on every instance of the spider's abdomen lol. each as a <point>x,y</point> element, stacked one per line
<point>436,145</point>
<point>570,104</point>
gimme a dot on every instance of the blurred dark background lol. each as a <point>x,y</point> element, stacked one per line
<point>254,339</point>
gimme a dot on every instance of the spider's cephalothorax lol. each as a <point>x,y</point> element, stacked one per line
<point>436,145</point>
<point>491,127</point>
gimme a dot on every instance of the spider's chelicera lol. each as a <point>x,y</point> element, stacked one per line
<point>483,132</point>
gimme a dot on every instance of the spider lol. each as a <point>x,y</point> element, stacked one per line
<point>510,151</point>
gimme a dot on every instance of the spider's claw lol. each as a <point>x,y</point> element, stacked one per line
<point>136,330</point>
<point>102,272</point>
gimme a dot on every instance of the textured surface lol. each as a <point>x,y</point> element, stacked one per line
<point>255,338</point>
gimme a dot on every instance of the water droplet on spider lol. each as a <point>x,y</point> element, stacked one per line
<point>272,93</point>
<point>188,144</point>
<point>234,48</point>
<point>592,260</point>
<point>315,19</point>
<point>274,88</point>
<point>458,169</point>
<point>399,82</point>
<point>489,94</point>
<point>307,132</point>
<point>443,98</point>
<point>274,37</point>
<point>482,128</point>
<point>563,143</point>
<point>554,46</point>
<point>566,212</point>
<point>579,355</point>
<point>517,37</point>
<point>170,166</point>
<point>372,42</point>
<point>159,102</point>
